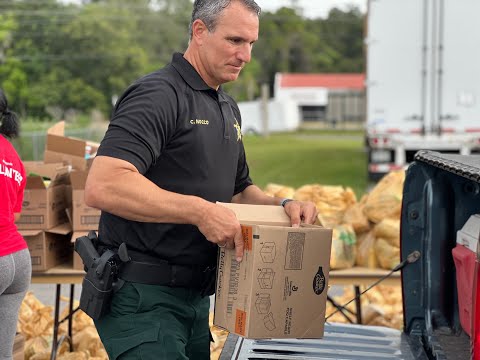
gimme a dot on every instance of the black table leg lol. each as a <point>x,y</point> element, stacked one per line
<point>56,323</point>
<point>70,315</point>
<point>358,304</point>
<point>341,309</point>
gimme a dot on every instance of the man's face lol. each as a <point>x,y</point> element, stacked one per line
<point>227,49</point>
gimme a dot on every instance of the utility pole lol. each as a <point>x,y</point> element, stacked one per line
<point>264,109</point>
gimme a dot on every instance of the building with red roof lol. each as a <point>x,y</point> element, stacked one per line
<point>328,81</point>
<point>330,99</point>
<point>318,100</point>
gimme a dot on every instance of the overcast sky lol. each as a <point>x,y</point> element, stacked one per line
<point>313,8</point>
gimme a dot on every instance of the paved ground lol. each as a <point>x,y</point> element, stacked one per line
<point>46,294</point>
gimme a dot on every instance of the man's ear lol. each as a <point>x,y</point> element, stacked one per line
<point>199,31</point>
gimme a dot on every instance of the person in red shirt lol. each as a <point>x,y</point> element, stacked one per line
<point>15,263</point>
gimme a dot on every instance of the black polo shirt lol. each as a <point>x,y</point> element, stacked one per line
<point>185,137</point>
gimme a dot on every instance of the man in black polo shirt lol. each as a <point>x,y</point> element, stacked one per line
<point>172,150</point>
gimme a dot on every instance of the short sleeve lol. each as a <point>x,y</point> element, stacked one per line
<point>242,180</point>
<point>143,121</point>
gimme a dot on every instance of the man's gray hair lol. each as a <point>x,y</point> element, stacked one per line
<point>209,11</point>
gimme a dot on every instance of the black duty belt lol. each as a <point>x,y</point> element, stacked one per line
<point>173,275</point>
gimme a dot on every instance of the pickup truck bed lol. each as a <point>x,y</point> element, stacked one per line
<point>440,193</point>
<point>341,342</point>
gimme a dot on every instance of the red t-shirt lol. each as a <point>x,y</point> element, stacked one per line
<point>12,184</point>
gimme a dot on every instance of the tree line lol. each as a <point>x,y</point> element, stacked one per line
<point>58,56</point>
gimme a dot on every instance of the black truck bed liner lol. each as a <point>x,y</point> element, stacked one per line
<point>342,342</point>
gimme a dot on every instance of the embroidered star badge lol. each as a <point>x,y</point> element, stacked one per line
<point>239,130</point>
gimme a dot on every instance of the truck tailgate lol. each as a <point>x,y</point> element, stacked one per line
<point>352,342</point>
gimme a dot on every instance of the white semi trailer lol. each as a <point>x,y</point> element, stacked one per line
<point>422,80</point>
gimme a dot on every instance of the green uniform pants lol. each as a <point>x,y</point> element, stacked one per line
<point>156,322</point>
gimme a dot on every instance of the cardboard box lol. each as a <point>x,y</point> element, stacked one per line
<point>48,248</point>
<point>59,148</point>
<point>82,217</point>
<point>279,290</point>
<point>44,202</point>
<point>77,260</point>
<point>18,347</point>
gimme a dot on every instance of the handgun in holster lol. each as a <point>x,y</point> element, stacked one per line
<point>101,278</point>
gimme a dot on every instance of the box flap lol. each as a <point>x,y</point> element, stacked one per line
<point>57,142</point>
<point>65,145</point>
<point>57,129</point>
<point>25,233</point>
<point>78,179</point>
<point>310,226</point>
<point>62,229</point>
<point>259,214</point>
<point>35,182</point>
<point>51,171</point>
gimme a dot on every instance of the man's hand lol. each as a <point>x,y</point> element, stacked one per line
<point>221,226</point>
<point>301,211</point>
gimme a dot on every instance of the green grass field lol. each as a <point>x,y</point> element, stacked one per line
<point>301,158</point>
<point>325,157</point>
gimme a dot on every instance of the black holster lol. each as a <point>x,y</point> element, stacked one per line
<point>101,276</point>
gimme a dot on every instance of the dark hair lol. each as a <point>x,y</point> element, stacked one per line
<point>9,125</point>
<point>209,10</point>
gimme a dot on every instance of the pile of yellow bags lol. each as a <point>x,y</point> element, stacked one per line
<point>381,306</point>
<point>35,322</point>
<point>366,232</point>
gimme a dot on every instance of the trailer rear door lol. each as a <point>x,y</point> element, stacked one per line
<point>395,57</point>
<point>459,85</point>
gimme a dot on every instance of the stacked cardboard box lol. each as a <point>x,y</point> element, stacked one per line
<point>44,200</point>
<point>43,222</point>
<point>53,210</point>
<point>79,154</point>
<point>82,217</point>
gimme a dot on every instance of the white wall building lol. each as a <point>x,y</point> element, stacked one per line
<point>282,116</point>
<point>330,99</point>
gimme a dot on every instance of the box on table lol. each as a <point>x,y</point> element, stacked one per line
<point>60,148</point>
<point>18,347</point>
<point>279,290</point>
<point>82,217</point>
<point>48,248</point>
<point>44,201</point>
<point>77,262</point>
